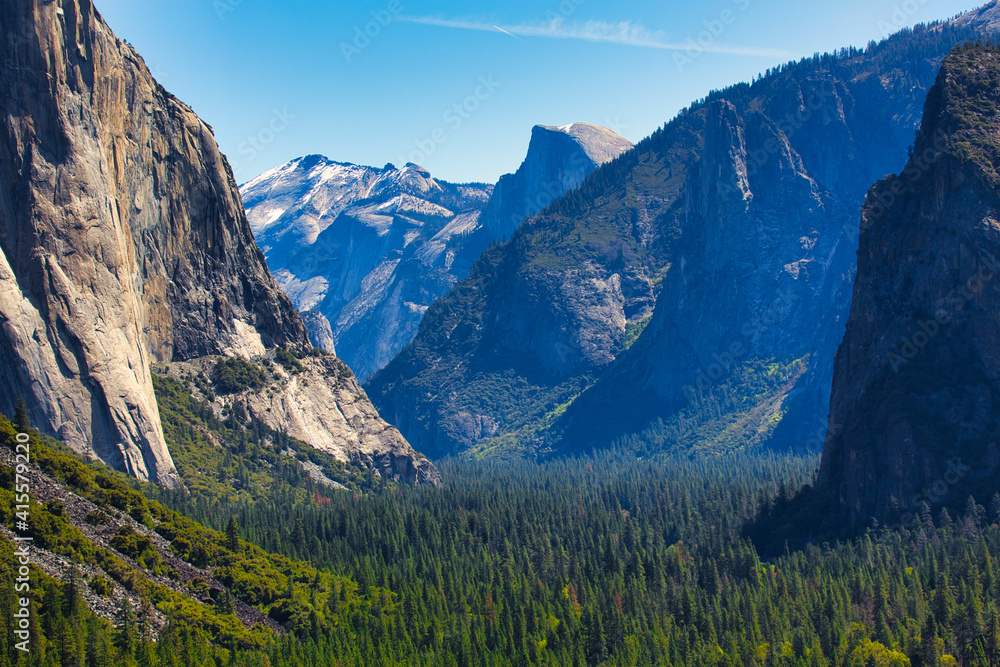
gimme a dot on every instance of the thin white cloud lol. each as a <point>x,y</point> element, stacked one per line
<point>625,33</point>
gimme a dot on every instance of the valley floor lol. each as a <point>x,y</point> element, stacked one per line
<point>604,560</point>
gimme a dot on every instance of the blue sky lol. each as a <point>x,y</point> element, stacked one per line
<point>457,86</point>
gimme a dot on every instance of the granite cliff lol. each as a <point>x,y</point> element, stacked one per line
<point>557,161</point>
<point>124,241</point>
<point>916,387</point>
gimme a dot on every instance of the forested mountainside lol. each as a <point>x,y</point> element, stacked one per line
<point>700,280</point>
<point>119,579</point>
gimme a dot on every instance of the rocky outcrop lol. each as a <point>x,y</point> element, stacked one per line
<point>124,241</point>
<point>737,221</point>
<point>916,386</point>
<point>320,331</point>
<point>319,401</point>
<point>323,405</point>
<point>558,159</point>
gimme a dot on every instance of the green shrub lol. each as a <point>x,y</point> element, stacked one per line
<point>97,518</point>
<point>102,586</point>
<point>233,375</point>
<point>288,360</point>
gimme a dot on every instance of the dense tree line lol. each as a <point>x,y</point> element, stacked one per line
<point>595,561</point>
<point>604,560</point>
<point>609,560</point>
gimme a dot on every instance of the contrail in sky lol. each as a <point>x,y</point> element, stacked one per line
<point>626,33</point>
<point>505,32</point>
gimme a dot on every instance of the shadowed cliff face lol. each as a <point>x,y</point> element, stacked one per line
<point>123,238</point>
<point>737,221</point>
<point>916,389</point>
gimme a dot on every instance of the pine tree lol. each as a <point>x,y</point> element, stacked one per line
<point>233,535</point>
<point>72,599</point>
<point>22,420</point>
<point>226,605</point>
<point>126,637</point>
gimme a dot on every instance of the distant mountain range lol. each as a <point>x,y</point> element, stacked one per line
<point>365,251</point>
<point>696,287</point>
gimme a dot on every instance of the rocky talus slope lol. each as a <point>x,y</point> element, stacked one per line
<point>100,534</point>
<point>320,402</point>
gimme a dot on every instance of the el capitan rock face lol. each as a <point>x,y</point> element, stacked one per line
<point>123,238</point>
<point>124,241</point>
<point>916,389</point>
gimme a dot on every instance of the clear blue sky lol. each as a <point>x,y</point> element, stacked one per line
<point>277,80</point>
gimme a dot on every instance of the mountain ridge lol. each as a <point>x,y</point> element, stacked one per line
<point>553,340</point>
<point>362,249</point>
<point>368,249</point>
